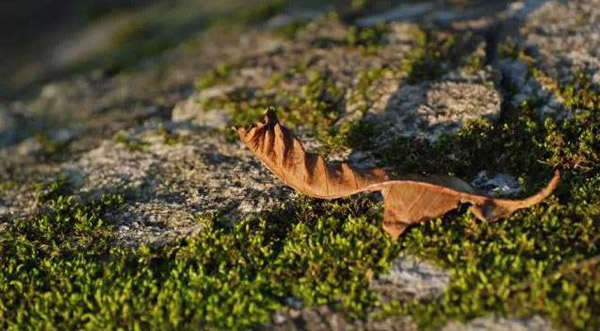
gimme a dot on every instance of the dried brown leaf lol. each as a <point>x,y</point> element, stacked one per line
<point>409,200</point>
<point>277,147</point>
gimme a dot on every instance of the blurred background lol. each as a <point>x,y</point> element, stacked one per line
<point>44,39</point>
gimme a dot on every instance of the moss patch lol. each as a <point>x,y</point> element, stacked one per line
<point>131,143</point>
<point>367,39</point>
<point>62,270</point>
<point>542,260</point>
<point>214,76</point>
<point>317,105</point>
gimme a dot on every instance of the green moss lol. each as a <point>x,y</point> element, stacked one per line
<point>131,143</point>
<point>474,63</point>
<point>367,39</point>
<point>7,185</point>
<point>140,38</point>
<point>49,146</point>
<point>244,107</point>
<point>260,12</point>
<point>290,31</point>
<point>247,15</point>
<point>362,96</point>
<point>279,77</point>
<point>535,261</point>
<point>62,269</point>
<point>315,106</point>
<point>522,266</point>
<point>168,137</point>
<point>215,76</point>
<point>509,49</point>
<point>50,191</point>
<point>579,93</point>
<point>319,102</point>
<point>433,56</point>
<point>131,54</point>
<point>135,29</point>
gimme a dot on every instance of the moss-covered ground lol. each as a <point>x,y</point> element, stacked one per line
<point>60,267</point>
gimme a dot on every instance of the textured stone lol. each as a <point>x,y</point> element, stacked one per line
<point>191,110</point>
<point>429,110</point>
<point>565,36</point>
<point>497,184</point>
<point>496,323</point>
<point>410,277</point>
<point>325,318</point>
<point>173,185</point>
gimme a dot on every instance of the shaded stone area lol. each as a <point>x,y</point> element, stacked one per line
<point>281,72</point>
<point>565,37</point>
<point>560,38</point>
<point>429,110</point>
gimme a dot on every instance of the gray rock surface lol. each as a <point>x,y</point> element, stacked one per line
<point>497,184</point>
<point>191,110</point>
<point>175,184</point>
<point>563,39</point>
<point>496,323</point>
<point>324,318</point>
<point>410,277</point>
<point>429,110</point>
<point>565,36</point>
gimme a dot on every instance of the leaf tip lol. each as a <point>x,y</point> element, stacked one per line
<point>271,116</point>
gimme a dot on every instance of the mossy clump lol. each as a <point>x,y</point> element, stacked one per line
<point>543,260</point>
<point>259,13</point>
<point>168,138</point>
<point>52,263</point>
<point>367,39</point>
<point>364,93</point>
<point>49,145</point>
<point>215,76</point>
<point>63,267</point>
<point>131,143</point>
<point>246,15</point>
<point>314,106</point>
<point>579,93</point>
<point>291,30</point>
<point>437,52</point>
<point>7,185</point>
<point>319,102</point>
